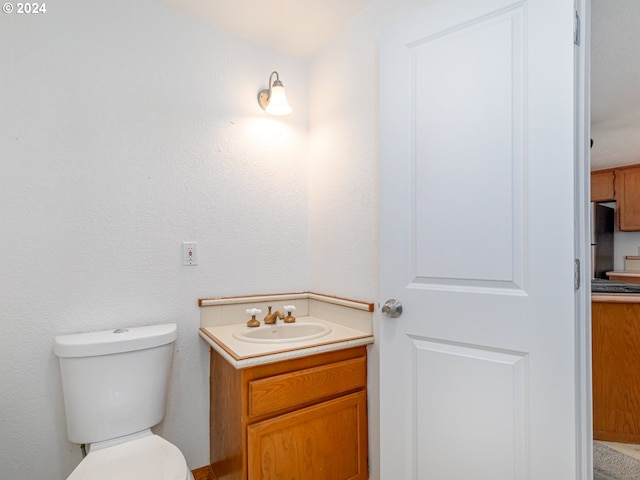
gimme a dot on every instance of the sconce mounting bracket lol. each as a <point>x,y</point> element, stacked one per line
<point>263,98</point>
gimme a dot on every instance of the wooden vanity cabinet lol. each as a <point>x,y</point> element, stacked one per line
<point>299,418</point>
<point>603,185</point>
<point>628,198</point>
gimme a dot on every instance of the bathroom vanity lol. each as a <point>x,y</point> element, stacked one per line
<point>294,409</point>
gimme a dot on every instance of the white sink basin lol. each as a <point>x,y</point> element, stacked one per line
<point>283,333</point>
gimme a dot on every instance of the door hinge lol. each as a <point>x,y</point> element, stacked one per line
<point>576,274</point>
<point>576,29</point>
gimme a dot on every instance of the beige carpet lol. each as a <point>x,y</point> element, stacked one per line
<point>611,464</point>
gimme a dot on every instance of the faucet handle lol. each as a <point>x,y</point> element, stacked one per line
<point>253,312</point>
<point>289,318</point>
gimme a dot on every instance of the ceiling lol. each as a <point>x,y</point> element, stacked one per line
<point>615,83</point>
<point>302,27</point>
<point>297,27</point>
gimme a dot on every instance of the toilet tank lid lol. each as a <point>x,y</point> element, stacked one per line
<point>114,341</point>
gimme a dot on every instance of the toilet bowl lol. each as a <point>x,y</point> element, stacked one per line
<point>146,457</point>
<point>114,386</point>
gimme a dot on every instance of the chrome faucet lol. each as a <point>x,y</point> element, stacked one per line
<point>272,318</point>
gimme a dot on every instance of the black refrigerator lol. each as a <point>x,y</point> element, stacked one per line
<point>602,226</point>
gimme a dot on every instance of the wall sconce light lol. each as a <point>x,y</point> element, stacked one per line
<point>274,100</point>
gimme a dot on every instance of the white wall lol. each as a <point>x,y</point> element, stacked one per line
<point>343,172</point>
<point>126,129</point>
<point>625,244</point>
<point>343,158</point>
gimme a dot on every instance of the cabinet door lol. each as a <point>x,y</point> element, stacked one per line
<point>327,441</point>
<point>602,186</point>
<point>616,371</point>
<point>628,197</point>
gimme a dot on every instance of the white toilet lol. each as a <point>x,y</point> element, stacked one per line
<point>114,385</point>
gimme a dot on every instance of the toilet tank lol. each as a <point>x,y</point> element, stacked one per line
<point>114,382</point>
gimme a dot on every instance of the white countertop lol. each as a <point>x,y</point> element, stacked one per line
<point>242,354</point>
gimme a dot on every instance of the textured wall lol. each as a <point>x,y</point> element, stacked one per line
<point>343,158</point>
<point>343,167</point>
<point>126,129</point>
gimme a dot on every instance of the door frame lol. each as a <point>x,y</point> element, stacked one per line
<point>582,219</point>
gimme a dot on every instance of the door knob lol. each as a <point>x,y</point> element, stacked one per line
<point>392,308</point>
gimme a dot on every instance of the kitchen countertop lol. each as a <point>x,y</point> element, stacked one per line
<point>628,276</point>
<point>242,354</point>
<point>625,273</point>
<point>615,297</point>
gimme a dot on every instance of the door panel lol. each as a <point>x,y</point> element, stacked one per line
<point>488,54</point>
<point>482,391</point>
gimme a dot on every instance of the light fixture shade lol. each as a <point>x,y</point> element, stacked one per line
<point>278,104</point>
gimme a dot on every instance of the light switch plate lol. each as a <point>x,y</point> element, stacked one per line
<point>189,253</point>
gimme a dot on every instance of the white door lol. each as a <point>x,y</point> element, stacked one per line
<point>478,374</point>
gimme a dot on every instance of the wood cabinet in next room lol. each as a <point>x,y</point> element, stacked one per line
<point>616,368</point>
<point>628,198</point>
<point>622,185</point>
<point>603,185</point>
